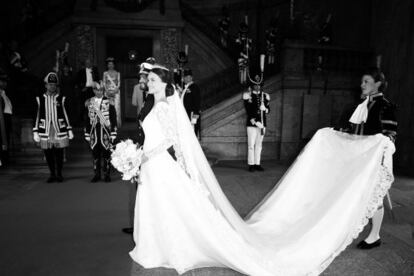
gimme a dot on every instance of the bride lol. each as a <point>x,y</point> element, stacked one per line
<point>184,221</point>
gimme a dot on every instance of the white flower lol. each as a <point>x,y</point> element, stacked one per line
<point>127,159</point>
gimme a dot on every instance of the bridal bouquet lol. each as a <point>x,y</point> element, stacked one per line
<point>127,159</point>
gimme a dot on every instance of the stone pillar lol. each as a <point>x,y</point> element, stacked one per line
<point>85,45</point>
<point>292,58</point>
<point>169,47</point>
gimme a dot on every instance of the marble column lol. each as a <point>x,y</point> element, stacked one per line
<point>85,45</point>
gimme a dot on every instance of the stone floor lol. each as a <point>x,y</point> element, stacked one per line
<point>74,227</point>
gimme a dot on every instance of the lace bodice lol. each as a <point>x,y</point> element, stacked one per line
<point>161,132</point>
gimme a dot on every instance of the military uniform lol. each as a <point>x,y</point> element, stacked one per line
<point>191,100</point>
<point>100,132</point>
<point>254,102</point>
<point>148,100</point>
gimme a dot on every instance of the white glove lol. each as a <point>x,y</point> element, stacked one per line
<point>194,121</point>
<point>36,137</point>
<point>70,133</point>
<point>88,139</point>
<point>259,125</point>
<point>263,108</point>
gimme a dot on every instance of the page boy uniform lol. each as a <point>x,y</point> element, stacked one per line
<point>100,132</point>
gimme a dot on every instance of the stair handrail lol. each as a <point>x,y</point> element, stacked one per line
<point>219,87</point>
<point>210,29</point>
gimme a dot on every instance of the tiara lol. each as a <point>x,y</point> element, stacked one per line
<point>109,59</point>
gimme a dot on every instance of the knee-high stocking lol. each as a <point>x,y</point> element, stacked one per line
<point>376,226</point>
<point>59,161</point>
<point>50,159</point>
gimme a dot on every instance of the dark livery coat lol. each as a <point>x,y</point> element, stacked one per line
<point>381,118</point>
<point>51,111</point>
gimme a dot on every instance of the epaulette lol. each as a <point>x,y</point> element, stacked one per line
<point>247,96</point>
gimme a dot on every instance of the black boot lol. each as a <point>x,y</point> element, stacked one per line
<point>258,168</point>
<point>51,179</point>
<point>128,230</point>
<point>97,170</point>
<point>251,168</point>
<point>107,170</point>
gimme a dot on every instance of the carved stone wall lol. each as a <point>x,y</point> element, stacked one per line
<point>85,45</point>
<point>169,47</point>
<point>392,37</point>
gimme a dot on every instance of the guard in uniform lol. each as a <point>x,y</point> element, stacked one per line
<point>191,99</point>
<point>100,131</point>
<point>256,103</point>
<point>374,115</point>
<point>52,129</point>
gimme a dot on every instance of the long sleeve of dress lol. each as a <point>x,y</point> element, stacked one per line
<point>166,117</point>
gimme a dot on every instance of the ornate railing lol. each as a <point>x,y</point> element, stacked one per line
<point>219,87</point>
<point>210,29</point>
<point>304,57</point>
<point>37,17</point>
<point>335,59</point>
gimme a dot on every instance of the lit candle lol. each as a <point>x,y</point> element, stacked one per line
<point>186,49</point>
<point>262,62</point>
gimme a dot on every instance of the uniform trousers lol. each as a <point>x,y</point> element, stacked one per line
<point>254,145</point>
<point>98,153</point>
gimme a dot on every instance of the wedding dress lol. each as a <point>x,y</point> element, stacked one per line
<point>184,221</point>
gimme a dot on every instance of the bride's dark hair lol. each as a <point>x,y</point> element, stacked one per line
<point>165,77</point>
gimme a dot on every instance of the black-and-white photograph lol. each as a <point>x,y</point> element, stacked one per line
<point>207,138</point>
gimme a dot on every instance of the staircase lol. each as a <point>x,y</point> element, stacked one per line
<point>303,99</point>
